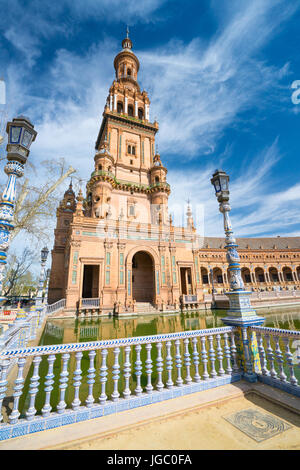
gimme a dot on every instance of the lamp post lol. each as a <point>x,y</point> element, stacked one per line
<point>44,256</point>
<point>213,290</point>
<point>47,285</point>
<point>240,311</point>
<point>21,134</point>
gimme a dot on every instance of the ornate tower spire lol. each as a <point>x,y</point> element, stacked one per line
<point>189,214</point>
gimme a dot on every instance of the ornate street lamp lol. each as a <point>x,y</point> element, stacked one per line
<point>240,310</point>
<point>44,256</point>
<point>21,134</point>
<point>47,285</point>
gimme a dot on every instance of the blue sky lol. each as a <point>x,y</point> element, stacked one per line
<point>219,76</point>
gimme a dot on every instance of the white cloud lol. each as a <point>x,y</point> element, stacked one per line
<point>197,91</point>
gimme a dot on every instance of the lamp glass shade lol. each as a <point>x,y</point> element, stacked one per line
<point>15,133</point>
<point>26,141</point>
<point>217,185</point>
<point>44,254</point>
<point>224,182</point>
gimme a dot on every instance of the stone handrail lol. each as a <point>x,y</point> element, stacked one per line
<point>59,305</point>
<point>90,302</point>
<point>172,364</point>
<point>278,356</point>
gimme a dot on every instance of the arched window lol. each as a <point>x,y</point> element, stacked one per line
<point>99,167</point>
<point>156,179</point>
<point>130,110</point>
<point>129,72</point>
<point>140,113</point>
<point>120,107</point>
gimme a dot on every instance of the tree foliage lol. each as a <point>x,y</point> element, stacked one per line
<point>36,204</point>
<point>18,279</point>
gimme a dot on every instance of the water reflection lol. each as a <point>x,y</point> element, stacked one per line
<point>74,330</point>
<point>94,329</point>
<point>58,331</point>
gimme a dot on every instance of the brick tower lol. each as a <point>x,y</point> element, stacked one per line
<point>120,249</point>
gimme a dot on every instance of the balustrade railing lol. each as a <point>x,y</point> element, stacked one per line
<point>279,357</point>
<point>103,377</point>
<point>59,305</point>
<point>92,302</point>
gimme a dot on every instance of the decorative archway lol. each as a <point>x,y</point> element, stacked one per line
<point>287,274</point>
<point>143,282</point>
<point>259,275</point>
<point>273,273</point>
<point>246,275</point>
<point>142,275</point>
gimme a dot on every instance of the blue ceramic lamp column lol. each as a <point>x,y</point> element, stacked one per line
<point>240,311</point>
<point>21,134</point>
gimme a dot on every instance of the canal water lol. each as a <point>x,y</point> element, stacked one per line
<point>68,330</point>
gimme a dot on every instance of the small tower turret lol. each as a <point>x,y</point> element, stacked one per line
<point>160,189</point>
<point>189,215</point>
<point>100,184</point>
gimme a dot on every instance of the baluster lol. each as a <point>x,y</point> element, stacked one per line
<point>279,357</point>
<point>91,379</point>
<point>178,361</point>
<point>212,356</point>
<point>149,386</point>
<point>48,386</point>
<point>289,360</point>
<point>63,383</point>
<point>204,359</point>
<point>187,361</point>
<point>116,375</point>
<point>103,377</point>
<point>138,370</point>
<point>169,364</point>
<point>3,383</point>
<point>196,360</point>
<point>13,417</point>
<point>233,352</point>
<point>77,381</point>
<point>220,355</point>
<point>127,370</point>
<point>159,367</point>
<point>270,356</point>
<point>227,354</point>
<point>33,387</point>
<point>262,354</point>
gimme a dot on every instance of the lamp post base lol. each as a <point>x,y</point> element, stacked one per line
<point>240,311</point>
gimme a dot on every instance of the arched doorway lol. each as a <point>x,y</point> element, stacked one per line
<point>142,277</point>
<point>246,275</point>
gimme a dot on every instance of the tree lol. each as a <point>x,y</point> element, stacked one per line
<point>17,275</point>
<point>36,204</point>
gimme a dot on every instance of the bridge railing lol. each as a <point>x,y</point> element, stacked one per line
<point>279,357</point>
<point>104,377</point>
<point>59,305</point>
<point>89,302</point>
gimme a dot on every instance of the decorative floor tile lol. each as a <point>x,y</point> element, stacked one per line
<point>257,425</point>
<point>20,430</point>
<point>123,405</point>
<point>37,426</point>
<point>69,418</point>
<point>96,412</point>
<point>5,433</point>
<point>82,415</point>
